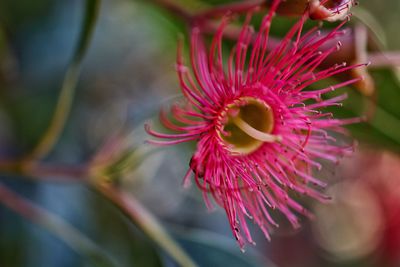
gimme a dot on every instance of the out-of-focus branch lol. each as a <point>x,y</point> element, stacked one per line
<point>49,172</point>
<point>381,59</point>
<point>56,225</point>
<point>63,106</point>
<point>175,9</point>
<point>236,7</point>
<point>138,214</point>
<point>377,59</point>
<point>384,59</point>
<point>318,9</point>
<point>135,212</point>
<point>203,15</point>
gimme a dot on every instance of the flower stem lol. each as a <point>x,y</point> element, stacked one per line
<point>46,172</point>
<point>190,17</point>
<point>377,59</point>
<point>236,7</point>
<point>137,213</point>
<point>175,9</point>
<point>65,99</point>
<point>56,225</point>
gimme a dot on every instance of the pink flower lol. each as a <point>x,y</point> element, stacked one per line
<point>330,10</point>
<point>259,129</point>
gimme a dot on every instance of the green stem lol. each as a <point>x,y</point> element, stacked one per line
<point>54,173</point>
<point>63,106</point>
<point>56,225</point>
<point>137,213</point>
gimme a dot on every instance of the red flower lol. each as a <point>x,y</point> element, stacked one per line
<point>259,131</point>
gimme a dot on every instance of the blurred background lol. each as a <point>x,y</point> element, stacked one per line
<point>127,75</point>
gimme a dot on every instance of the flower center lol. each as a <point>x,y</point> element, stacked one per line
<point>246,124</point>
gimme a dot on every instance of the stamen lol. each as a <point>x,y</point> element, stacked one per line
<point>256,134</point>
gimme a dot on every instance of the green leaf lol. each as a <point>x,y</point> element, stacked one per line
<point>63,106</point>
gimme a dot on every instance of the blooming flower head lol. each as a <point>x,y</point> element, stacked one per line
<point>259,128</point>
<point>330,10</point>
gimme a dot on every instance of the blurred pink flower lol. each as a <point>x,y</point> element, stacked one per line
<point>380,171</point>
<point>259,132</point>
<point>363,220</point>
